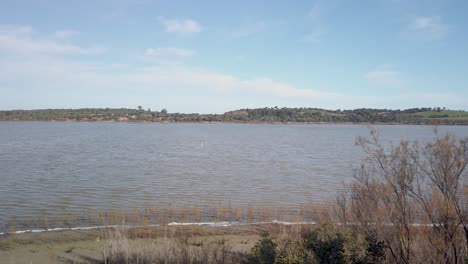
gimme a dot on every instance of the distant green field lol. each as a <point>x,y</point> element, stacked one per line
<point>445,114</point>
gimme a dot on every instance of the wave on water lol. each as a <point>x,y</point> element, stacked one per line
<point>209,224</point>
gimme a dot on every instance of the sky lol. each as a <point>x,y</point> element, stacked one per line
<point>217,56</point>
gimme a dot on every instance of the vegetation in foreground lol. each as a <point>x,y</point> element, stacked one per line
<point>407,204</point>
<point>260,115</point>
<point>325,243</point>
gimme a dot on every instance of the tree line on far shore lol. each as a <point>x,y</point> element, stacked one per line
<point>427,115</point>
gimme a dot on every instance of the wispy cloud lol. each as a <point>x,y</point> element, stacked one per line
<point>315,21</point>
<point>180,88</point>
<point>15,29</point>
<point>384,75</point>
<point>313,37</point>
<point>429,27</point>
<point>181,25</point>
<point>168,51</point>
<point>119,10</point>
<point>21,39</point>
<point>316,11</point>
<point>64,34</point>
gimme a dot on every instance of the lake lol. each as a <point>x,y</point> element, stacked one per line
<point>52,168</point>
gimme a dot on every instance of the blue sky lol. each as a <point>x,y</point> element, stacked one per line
<point>216,56</point>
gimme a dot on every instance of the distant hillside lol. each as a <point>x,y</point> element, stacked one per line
<point>258,115</point>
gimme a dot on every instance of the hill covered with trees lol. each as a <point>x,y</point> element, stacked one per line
<point>258,115</point>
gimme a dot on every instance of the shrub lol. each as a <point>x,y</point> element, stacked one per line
<point>264,251</point>
<point>375,249</point>
<point>326,243</point>
<point>290,250</point>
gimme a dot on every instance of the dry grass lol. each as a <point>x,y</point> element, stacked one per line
<point>160,216</point>
<point>121,249</point>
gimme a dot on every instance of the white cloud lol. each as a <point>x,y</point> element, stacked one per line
<point>169,51</point>
<point>79,84</point>
<point>15,29</point>
<point>118,66</point>
<point>269,86</point>
<point>198,80</point>
<point>20,39</point>
<point>430,27</point>
<point>384,75</point>
<point>181,25</point>
<point>425,23</point>
<point>64,34</point>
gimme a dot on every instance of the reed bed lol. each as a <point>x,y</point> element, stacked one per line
<point>160,216</point>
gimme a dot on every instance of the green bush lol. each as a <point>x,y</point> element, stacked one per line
<point>291,250</point>
<point>326,243</point>
<point>264,251</point>
<point>333,245</point>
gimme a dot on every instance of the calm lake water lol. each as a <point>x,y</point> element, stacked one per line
<point>52,168</point>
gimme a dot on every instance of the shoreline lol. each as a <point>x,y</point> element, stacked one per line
<point>215,224</point>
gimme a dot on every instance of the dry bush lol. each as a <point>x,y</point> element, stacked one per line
<point>414,198</point>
